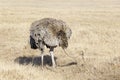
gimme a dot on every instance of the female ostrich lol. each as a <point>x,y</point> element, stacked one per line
<point>51,33</point>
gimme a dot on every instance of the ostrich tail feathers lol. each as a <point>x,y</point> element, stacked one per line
<point>32,43</point>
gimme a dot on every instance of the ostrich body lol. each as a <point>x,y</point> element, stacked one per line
<point>51,33</point>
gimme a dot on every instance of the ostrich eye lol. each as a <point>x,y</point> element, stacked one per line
<point>38,34</point>
<point>37,43</point>
<point>35,35</point>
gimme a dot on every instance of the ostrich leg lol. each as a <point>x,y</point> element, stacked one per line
<point>42,57</point>
<point>41,48</point>
<point>52,57</point>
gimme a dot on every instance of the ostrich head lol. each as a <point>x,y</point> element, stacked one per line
<point>63,41</point>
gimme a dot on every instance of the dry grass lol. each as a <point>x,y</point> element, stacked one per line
<point>96,31</point>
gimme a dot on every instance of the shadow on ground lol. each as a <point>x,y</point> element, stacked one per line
<point>36,61</point>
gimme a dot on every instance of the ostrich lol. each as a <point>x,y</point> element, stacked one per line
<point>51,33</point>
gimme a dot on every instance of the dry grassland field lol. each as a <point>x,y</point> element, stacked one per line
<point>95,28</point>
